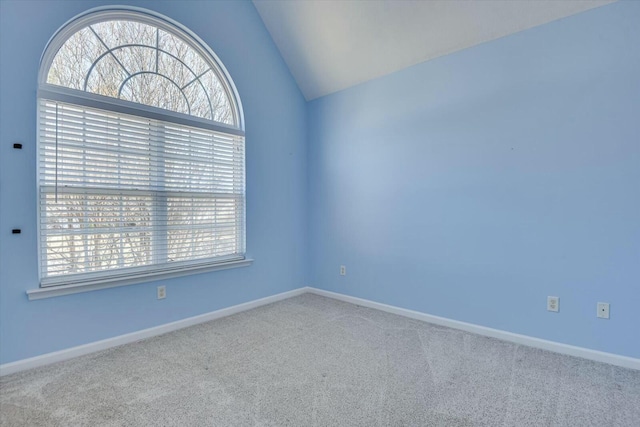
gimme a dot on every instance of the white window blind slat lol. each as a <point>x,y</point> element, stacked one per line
<point>122,193</point>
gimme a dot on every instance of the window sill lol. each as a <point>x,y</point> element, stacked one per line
<point>56,291</point>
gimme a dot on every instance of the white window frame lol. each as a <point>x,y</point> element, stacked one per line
<point>118,277</point>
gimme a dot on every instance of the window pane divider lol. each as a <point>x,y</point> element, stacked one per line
<point>78,97</point>
<point>68,189</point>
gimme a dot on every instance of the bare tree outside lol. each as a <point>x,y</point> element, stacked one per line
<point>123,191</point>
<point>137,62</point>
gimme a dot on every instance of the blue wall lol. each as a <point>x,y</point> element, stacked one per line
<point>470,187</point>
<point>276,183</point>
<point>474,185</point>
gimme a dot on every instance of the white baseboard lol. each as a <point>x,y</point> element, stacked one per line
<point>70,353</point>
<point>585,353</point>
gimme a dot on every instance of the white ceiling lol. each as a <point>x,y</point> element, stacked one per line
<point>330,45</point>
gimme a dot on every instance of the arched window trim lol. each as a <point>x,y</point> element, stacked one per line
<point>106,13</point>
<point>55,93</point>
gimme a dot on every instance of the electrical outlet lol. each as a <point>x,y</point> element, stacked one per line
<point>343,270</point>
<point>553,304</point>
<point>162,292</point>
<point>603,310</point>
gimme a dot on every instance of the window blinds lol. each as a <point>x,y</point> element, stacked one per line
<point>134,194</point>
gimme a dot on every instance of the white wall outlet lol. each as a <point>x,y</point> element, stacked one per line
<point>553,304</point>
<point>162,292</point>
<point>343,270</point>
<point>603,310</point>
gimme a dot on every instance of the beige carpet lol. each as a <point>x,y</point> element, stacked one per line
<point>313,361</point>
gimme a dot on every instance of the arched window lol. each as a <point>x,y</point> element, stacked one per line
<point>141,153</point>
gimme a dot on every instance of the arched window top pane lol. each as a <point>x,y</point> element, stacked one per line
<point>139,61</point>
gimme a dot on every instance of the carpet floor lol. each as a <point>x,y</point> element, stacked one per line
<point>314,361</point>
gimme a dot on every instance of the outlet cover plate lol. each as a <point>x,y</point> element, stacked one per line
<point>603,310</point>
<point>553,304</point>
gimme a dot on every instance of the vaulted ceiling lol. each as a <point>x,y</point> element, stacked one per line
<point>330,45</point>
